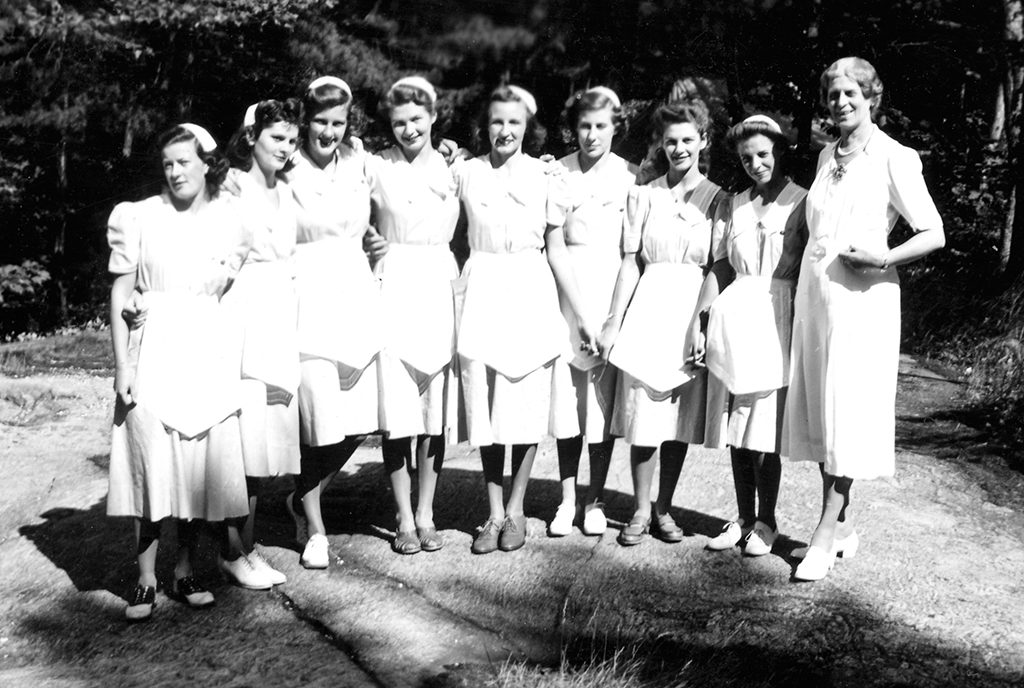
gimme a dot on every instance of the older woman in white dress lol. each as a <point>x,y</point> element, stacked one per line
<point>584,247</point>
<point>176,450</point>
<point>413,192</point>
<point>750,327</point>
<point>846,331</point>
<point>511,334</point>
<point>263,298</point>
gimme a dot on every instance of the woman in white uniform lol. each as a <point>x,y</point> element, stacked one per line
<point>511,334</point>
<point>413,193</point>
<point>846,330</point>
<point>263,298</point>
<point>674,235</point>
<point>175,451</point>
<point>584,247</point>
<point>750,328</point>
<point>339,306</point>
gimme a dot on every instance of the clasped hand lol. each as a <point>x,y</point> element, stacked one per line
<point>856,258</point>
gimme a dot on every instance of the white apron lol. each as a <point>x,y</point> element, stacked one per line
<point>509,320</point>
<point>339,302</point>
<point>190,383</point>
<point>651,342</point>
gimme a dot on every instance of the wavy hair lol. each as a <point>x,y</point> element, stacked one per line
<point>268,113</point>
<point>218,166</point>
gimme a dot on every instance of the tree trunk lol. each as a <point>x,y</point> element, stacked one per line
<point>1011,257</point>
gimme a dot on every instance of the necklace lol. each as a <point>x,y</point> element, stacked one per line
<point>841,167</point>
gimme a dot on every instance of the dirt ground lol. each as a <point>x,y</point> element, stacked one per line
<point>933,598</point>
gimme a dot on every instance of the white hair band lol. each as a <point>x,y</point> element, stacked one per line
<point>766,120</point>
<point>607,93</point>
<point>250,115</point>
<point>417,82</point>
<point>330,81</point>
<point>528,100</point>
<point>206,141</point>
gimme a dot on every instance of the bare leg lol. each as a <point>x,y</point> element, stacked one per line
<point>429,459</point>
<point>642,466</point>
<point>600,460</point>
<point>744,478</point>
<point>768,473</point>
<point>569,451</point>
<point>672,456</point>
<point>147,538</point>
<point>493,459</point>
<point>397,459</point>
<point>522,463</point>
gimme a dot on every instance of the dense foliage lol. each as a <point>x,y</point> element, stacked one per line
<point>85,85</point>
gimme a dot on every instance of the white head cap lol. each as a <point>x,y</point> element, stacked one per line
<point>607,93</point>
<point>206,141</point>
<point>417,82</point>
<point>766,120</point>
<point>528,100</point>
<point>250,115</point>
<point>329,81</point>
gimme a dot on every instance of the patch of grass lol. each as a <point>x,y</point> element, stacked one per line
<point>87,350</point>
<point>589,665</point>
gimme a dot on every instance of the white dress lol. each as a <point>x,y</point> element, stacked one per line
<point>511,333</point>
<point>660,398</point>
<point>177,452</point>
<point>846,330</point>
<point>750,324</point>
<point>417,211</point>
<point>263,298</point>
<point>339,300</point>
<point>591,208</point>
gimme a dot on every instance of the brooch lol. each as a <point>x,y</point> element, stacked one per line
<point>839,172</point>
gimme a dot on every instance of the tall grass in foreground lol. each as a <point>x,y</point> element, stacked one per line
<point>996,380</point>
<point>626,667</point>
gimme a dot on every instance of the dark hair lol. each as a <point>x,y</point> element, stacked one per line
<point>268,113</point>
<point>745,130</point>
<point>588,101</point>
<point>535,135</point>
<point>686,111</point>
<point>859,70</point>
<point>325,97</point>
<point>403,94</point>
<point>218,166</point>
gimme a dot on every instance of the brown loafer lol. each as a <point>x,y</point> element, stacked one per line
<point>430,541</point>
<point>635,532</point>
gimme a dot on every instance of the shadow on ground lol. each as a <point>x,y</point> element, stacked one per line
<point>684,616</point>
<point>960,435</point>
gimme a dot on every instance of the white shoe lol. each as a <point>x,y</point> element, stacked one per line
<point>594,521</point>
<point>816,564</point>
<point>301,525</point>
<point>316,554</point>
<point>241,572</point>
<point>845,547</point>
<point>561,525</point>
<point>760,540</point>
<point>730,536</point>
<point>260,564</point>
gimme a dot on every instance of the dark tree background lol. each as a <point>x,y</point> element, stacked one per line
<point>86,85</point>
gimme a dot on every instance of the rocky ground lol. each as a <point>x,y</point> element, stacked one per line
<point>933,598</point>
